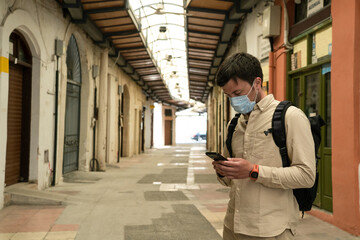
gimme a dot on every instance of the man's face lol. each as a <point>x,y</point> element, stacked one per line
<point>238,87</point>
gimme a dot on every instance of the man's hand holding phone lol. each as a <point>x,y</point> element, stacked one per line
<point>217,157</point>
<point>232,168</point>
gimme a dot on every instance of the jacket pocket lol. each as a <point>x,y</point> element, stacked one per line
<point>263,147</point>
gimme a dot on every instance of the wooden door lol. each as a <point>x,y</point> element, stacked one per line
<point>19,111</point>
<point>168,132</point>
<point>13,146</point>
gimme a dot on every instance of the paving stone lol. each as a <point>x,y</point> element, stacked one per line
<point>186,223</point>
<point>164,196</point>
<point>63,235</point>
<point>150,178</point>
<point>206,178</point>
<point>180,160</point>
<point>168,175</point>
<point>6,236</point>
<point>29,236</point>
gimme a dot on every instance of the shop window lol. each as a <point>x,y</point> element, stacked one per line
<point>301,9</point>
<point>296,92</point>
<point>19,50</point>
<point>312,82</point>
<point>168,112</point>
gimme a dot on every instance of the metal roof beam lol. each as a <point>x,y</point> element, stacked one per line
<point>105,10</point>
<point>149,5</point>
<point>240,9</point>
<point>71,4</point>
<point>122,33</point>
<point>206,10</point>
<point>207,33</point>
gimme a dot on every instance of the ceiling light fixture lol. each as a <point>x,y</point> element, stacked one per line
<point>162,33</point>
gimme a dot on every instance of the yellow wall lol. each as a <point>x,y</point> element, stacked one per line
<point>301,46</point>
<point>322,40</point>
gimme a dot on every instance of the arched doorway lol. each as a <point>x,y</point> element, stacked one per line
<point>19,111</point>
<point>72,112</point>
<point>125,122</point>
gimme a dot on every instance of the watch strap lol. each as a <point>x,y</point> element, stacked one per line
<point>254,173</point>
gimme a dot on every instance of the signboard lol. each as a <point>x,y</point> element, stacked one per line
<point>314,5</point>
<point>264,47</point>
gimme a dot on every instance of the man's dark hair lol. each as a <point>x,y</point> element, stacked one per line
<point>241,65</point>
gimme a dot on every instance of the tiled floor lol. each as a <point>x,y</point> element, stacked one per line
<point>165,194</point>
<point>34,222</point>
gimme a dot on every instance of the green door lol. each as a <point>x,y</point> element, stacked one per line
<point>311,92</point>
<point>72,112</point>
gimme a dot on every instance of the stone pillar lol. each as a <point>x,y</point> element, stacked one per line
<point>4,90</point>
<point>102,116</point>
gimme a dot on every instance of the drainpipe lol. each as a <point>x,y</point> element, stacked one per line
<point>271,73</point>
<point>271,66</point>
<point>56,119</point>
<point>287,44</point>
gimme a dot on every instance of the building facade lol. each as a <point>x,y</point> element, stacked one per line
<point>312,61</point>
<point>64,101</point>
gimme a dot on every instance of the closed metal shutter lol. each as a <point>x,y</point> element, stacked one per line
<point>13,147</point>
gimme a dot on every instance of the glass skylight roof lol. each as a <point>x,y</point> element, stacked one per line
<point>163,26</point>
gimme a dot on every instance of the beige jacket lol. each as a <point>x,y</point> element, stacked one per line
<point>267,206</point>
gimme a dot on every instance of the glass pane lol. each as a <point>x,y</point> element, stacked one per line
<point>22,53</point>
<point>312,104</point>
<point>302,7</point>
<point>328,110</point>
<point>163,25</point>
<point>168,112</point>
<point>300,11</point>
<point>73,61</point>
<point>72,109</point>
<point>296,92</point>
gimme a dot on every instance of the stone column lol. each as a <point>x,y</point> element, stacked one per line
<point>102,116</point>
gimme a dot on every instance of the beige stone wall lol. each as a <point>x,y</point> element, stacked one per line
<point>41,22</point>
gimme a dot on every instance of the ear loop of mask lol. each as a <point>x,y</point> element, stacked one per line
<point>255,91</point>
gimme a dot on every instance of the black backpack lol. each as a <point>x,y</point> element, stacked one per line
<point>304,196</point>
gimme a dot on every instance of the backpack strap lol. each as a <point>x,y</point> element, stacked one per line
<point>279,132</point>
<point>230,132</point>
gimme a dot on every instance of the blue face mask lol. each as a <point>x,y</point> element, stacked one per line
<point>242,104</point>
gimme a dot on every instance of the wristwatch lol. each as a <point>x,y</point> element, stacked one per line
<point>254,173</point>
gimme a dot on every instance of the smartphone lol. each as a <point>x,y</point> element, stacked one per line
<point>216,156</point>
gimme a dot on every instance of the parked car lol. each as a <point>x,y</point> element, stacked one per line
<point>199,136</point>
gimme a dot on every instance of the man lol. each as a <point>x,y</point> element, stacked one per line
<point>261,207</point>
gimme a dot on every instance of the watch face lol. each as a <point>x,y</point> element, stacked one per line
<point>254,174</point>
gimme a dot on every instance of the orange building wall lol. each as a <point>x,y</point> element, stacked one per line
<point>345,109</point>
<point>345,71</point>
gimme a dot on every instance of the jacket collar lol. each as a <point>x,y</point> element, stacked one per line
<point>264,103</point>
